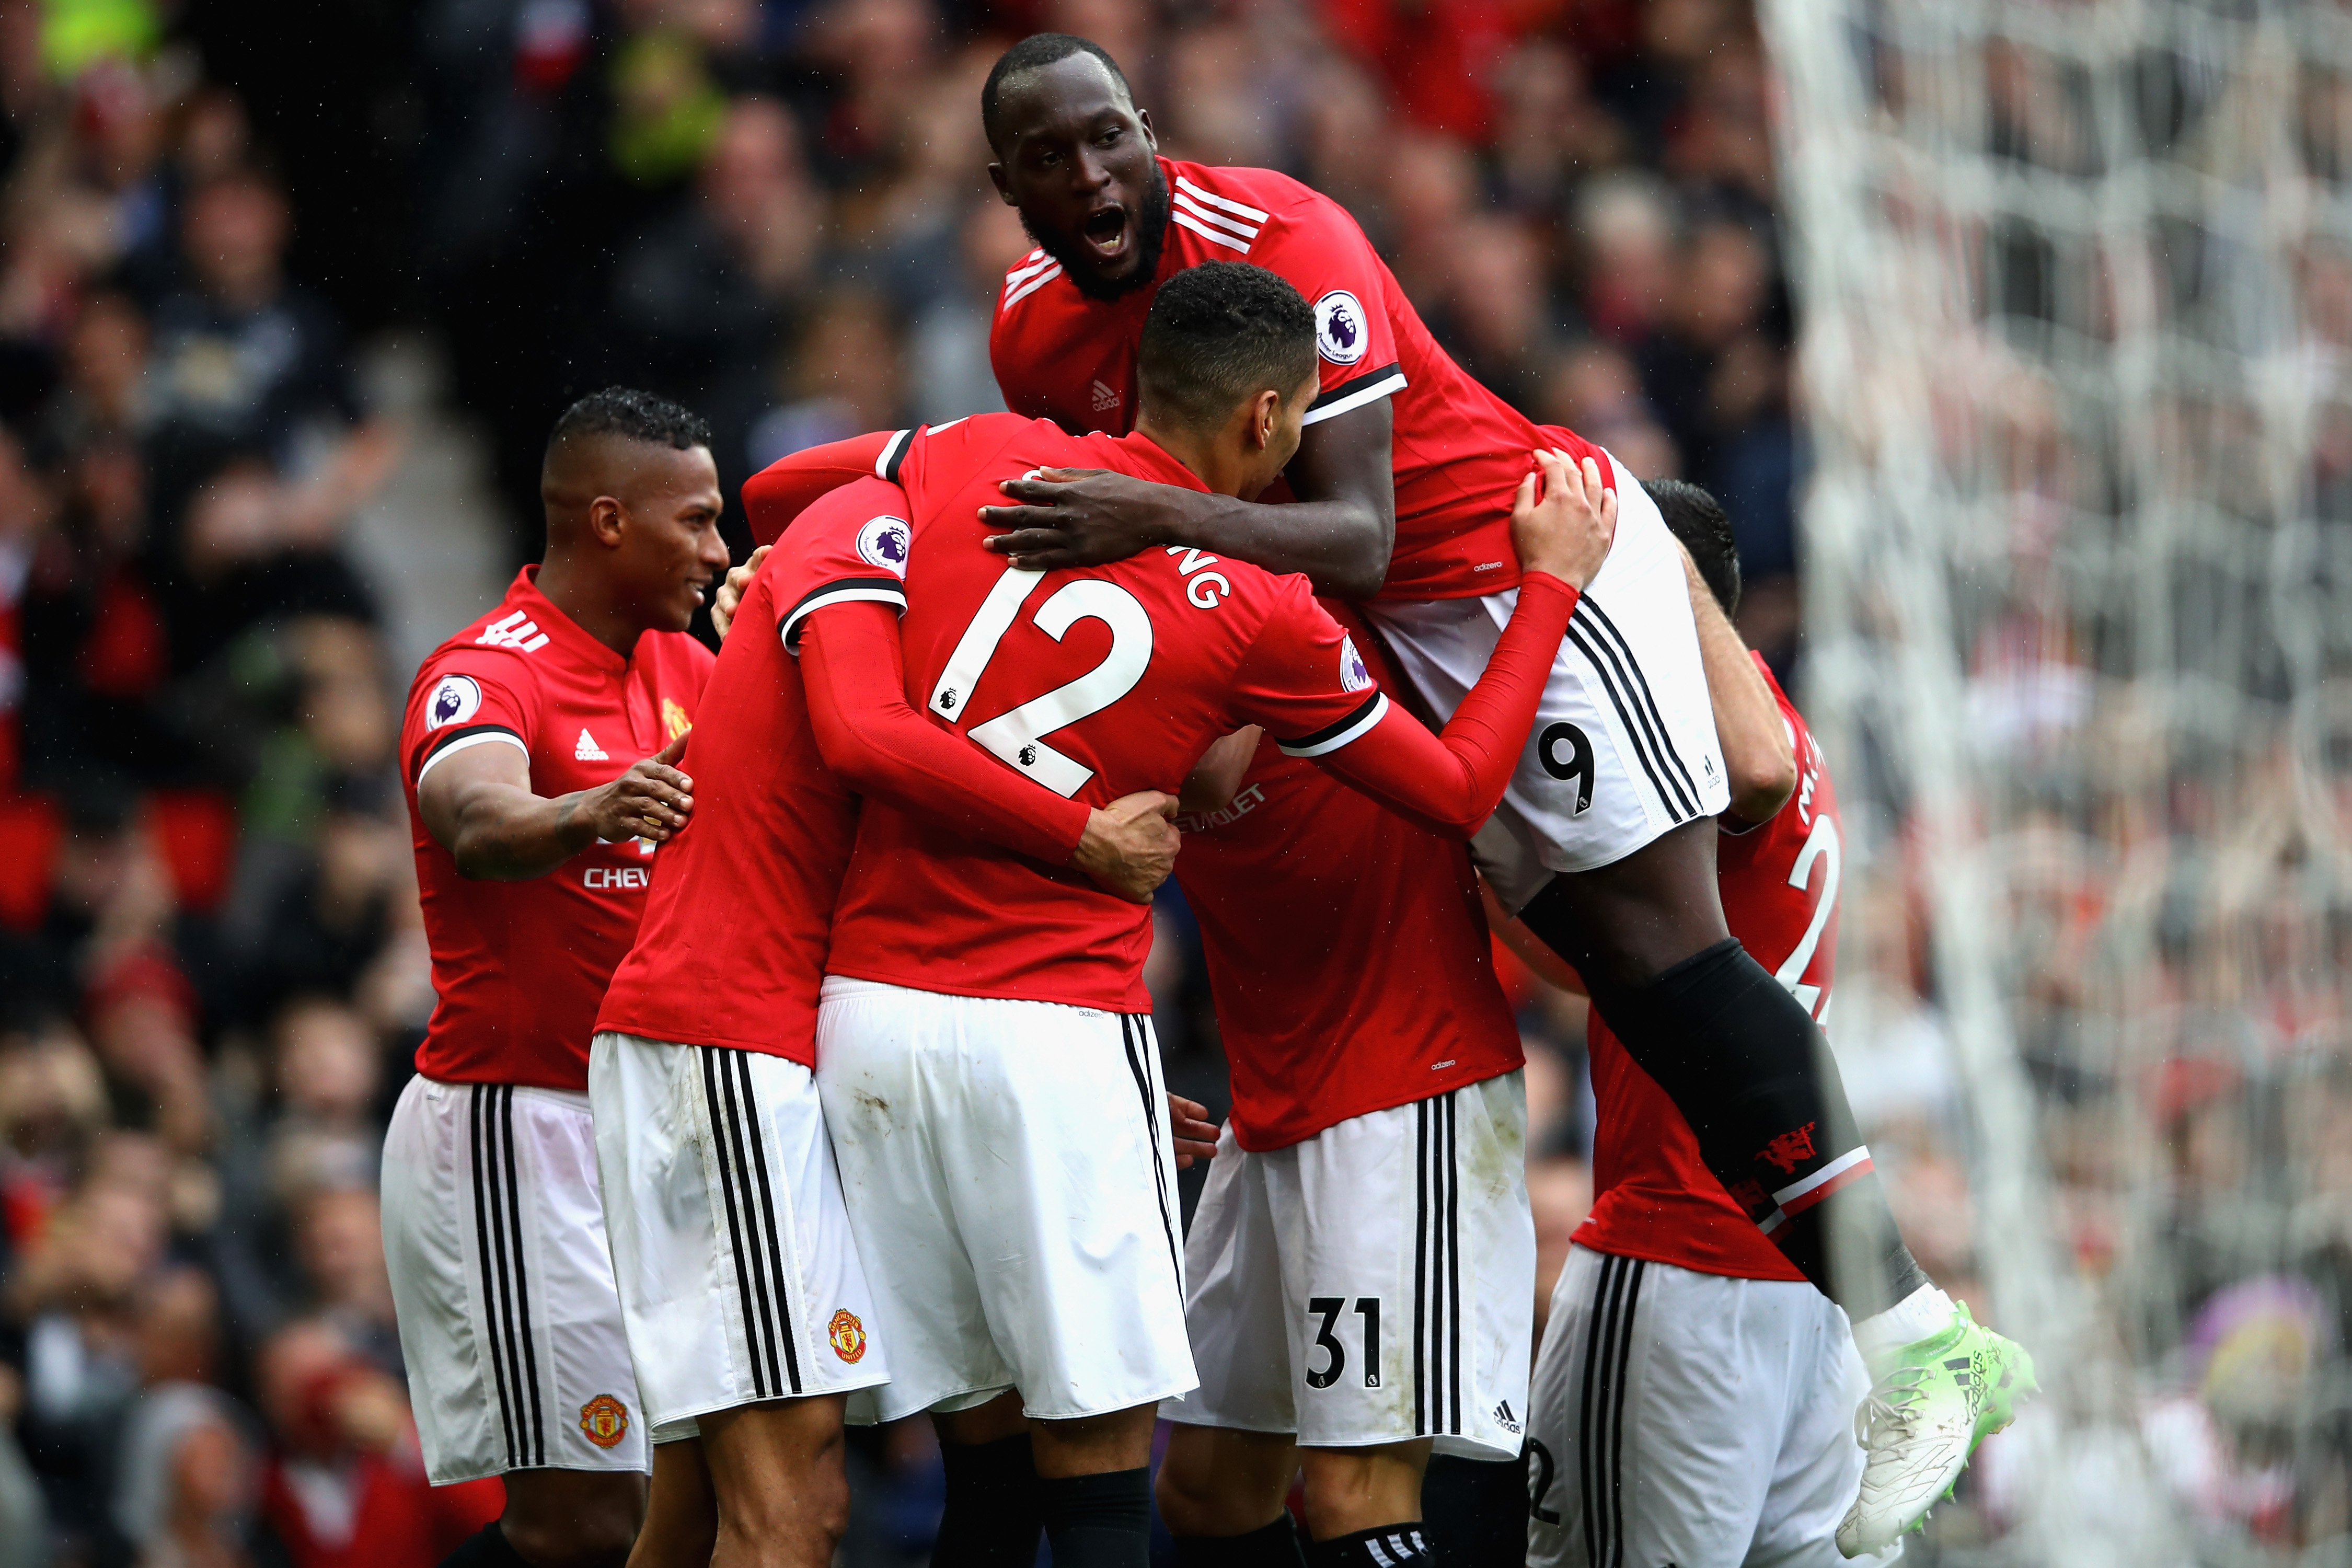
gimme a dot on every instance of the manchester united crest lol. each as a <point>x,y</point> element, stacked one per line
<point>605,1420</point>
<point>673,719</point>
<point>848,1336</point>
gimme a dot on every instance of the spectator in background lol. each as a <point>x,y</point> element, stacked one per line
<point>844,378</point>
<point>343,1484</point>
<point>240,352</point>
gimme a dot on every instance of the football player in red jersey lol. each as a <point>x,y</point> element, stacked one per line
<point>537,754</point>
<point>748,1315</point>
<point>985,1058</point>
<point>1372,1172</point>
<point>1694,1399</point>
<point>1604,843</point>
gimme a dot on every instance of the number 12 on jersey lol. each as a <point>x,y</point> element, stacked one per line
<point>1018,735</point>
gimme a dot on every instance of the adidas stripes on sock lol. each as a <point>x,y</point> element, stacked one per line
<point>1389,1546</point>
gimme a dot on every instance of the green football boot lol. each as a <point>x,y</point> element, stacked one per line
<point>1927,1411</point>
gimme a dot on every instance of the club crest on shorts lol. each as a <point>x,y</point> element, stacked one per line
<point>605,1420</point>
<point>1353,674</point>
<point>455,700</point>
<point>1339,332</point>
<point>847,1336</point>
<point>883,542</point>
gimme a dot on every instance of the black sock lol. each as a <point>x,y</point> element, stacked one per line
<point>1274,1545</point>
<point>1100,1521</point>
<point>994,1512</point>
<point>1745,1064</point>
<point>1478,1507</point>
<point>1389,1546</point>
<point>486,1548</point>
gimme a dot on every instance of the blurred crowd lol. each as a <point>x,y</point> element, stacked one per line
<point>212,975</point>
<point>2119,426</point>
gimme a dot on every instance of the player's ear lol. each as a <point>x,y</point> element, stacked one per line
<point>606,521</point>
<point>1266,414</point>
<point>996,177</point>
<point>1150,136</point>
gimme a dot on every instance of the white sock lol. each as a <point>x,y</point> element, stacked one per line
<point>1925,1312</point>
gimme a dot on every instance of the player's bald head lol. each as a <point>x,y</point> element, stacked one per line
<point>616,443</point>
<point>1018,68</point>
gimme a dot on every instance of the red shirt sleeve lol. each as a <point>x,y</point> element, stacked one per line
<point>784,488</point>
<point>471,698</point>
<point>872,738</point>
<point>1449,782</point>
<point>1323,253</point>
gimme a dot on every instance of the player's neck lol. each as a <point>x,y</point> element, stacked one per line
<point>589,602</point>
<point>1206,458</point>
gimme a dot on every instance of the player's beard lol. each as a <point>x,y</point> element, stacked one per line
<point>1150,239</point>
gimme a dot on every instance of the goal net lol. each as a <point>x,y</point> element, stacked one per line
<point>2075,290</point>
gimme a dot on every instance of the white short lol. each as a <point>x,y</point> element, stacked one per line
<point>1624,747</point>
<point>1689,1418</point>
<point>494,1233</point>
<point>1012,1185</point>
<point>1373,1283</point>
<point>739,1279</point>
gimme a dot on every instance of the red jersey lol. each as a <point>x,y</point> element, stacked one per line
<point>763,798</point>
<point>1458,450</point>
<point>1653,1197</point>
<point>1094,682</point>
<point>1347,953</point>
<point>518,967</point>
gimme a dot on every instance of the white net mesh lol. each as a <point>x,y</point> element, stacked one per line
<point>2075,284</point>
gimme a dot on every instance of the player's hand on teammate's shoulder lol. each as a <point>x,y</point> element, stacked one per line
<point>729,597</point>
<point>1081,517</point>
<point>651,801</point>
<point>1129,846</point>
<point>1563,518</point>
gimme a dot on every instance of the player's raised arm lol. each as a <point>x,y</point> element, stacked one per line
<point>1338,533</point>
<point>1562,523</point>
<point>1757,752</point>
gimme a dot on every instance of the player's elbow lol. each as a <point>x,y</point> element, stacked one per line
<point>1760,786</point>
<point>1364,566</point>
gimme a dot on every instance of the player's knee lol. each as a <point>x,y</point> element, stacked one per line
<point>592,1533</point>
<point>1186,1490</point>
<point>1351,1490</point>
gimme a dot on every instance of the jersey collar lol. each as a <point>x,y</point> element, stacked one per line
<point>1146,459</point>
<point>562,629</point>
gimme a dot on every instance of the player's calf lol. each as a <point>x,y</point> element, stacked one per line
<point>570,1519</point>
<point>1094,1486</point>
<point>1222,1494</point>
<point>776,1470</point>
<point>993,1518</point>
<point>1350,1491</point>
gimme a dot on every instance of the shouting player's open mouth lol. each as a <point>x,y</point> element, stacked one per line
<point>1106,232</point>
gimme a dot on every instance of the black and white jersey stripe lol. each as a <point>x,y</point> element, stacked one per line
<point>505,1285</point>
<point>1437,1272</point>
<point>1332,737</point>
<point>1350,395</point>
<point>754,1229</point>
<point>840,590</point>
<point>1593,634</point>
<point>465,738</point>
<point>1601,1408</point>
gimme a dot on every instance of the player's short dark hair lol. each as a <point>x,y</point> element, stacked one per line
<point>633,415</point>
<point>1034,53</point>
<point>1220,332</point>
<point>1698,520</point>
